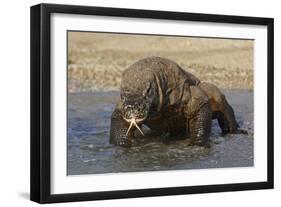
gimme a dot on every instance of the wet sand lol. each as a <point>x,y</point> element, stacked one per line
<point>96,60</point>
<point>89,151</point>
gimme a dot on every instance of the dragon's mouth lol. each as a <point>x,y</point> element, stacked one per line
<point>132,122</point>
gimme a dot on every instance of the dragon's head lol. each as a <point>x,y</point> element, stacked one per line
<point>138,95</point>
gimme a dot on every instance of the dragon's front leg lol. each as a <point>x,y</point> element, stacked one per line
<point>199,117</point>
<point>119,134</point>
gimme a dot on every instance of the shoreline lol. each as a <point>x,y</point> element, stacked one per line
<point>91,80</point>
<point>96,60</point>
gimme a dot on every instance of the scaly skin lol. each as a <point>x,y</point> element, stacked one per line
<point>221,109</point>
<point>194,118</point>
<point>158,93</point>
<point>199,117</point>
<point>118,130</point>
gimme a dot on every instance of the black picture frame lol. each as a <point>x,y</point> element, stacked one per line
<point>41,99</point>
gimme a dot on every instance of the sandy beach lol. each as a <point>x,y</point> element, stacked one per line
<point>96,60</point>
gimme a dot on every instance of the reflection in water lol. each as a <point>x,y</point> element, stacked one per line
<point>89,151</point>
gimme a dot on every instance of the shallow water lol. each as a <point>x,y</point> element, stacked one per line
<point>89,151</point>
